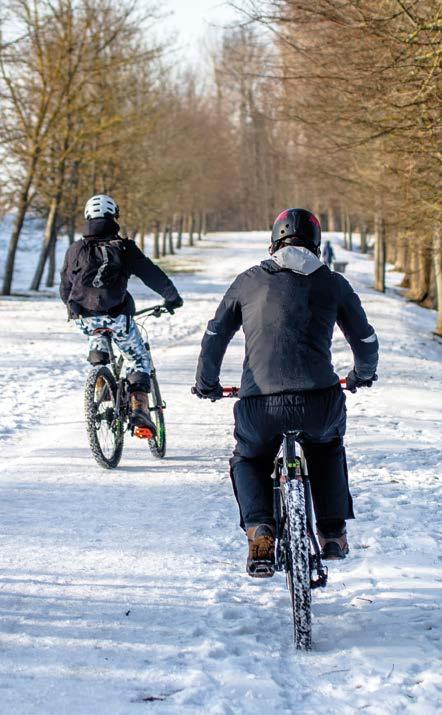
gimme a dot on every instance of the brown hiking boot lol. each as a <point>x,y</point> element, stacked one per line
<point>140,417</point>
<point>333,547</point>
<point>261,559</point>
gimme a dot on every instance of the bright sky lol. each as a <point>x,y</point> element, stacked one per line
<point>193,18</point>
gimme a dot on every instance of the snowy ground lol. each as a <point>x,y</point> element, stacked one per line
<point>124,592</point>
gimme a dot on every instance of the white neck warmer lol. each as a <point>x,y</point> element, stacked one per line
<point>297,259</point>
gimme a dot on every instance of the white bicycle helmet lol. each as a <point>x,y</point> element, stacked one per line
<point>100,206</point>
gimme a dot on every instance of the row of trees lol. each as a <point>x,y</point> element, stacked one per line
<point>332,105</point>
<point>358,87</point>
<point>91,103</point>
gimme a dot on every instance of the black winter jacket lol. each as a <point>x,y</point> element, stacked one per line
<point>287,307</point>
<point>136,263</point>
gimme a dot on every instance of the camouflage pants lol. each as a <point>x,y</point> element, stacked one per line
<point>129,341</point>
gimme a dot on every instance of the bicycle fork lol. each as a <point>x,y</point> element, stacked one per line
<point>316,565</point>
<point>294,466</point>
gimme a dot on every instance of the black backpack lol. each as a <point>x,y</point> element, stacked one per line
<point>100,273</point>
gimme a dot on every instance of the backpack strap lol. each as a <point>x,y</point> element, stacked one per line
<point>97,282</point>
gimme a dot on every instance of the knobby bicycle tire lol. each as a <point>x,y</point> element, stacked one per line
<point>109,458</point>
<point>298,566</point>
<point>157,444</point>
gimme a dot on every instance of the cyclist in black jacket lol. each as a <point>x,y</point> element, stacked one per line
<point>287,307</point>
<point>93,286</point>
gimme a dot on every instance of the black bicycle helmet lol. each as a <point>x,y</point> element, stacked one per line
<point>298,224</point>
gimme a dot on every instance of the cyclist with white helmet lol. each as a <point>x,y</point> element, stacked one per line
<point>93,286</point>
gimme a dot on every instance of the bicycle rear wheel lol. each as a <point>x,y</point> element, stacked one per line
<point>297,551</point>
<point>105,432</point>
<point>157,444</point>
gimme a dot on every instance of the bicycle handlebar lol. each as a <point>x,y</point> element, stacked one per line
<point>155,310</point>
<point>234,391</point>
<point>230,391</point>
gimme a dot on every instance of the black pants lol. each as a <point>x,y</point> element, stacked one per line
<point>259,426</point>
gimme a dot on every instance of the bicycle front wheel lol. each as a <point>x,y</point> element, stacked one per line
<point>157,444</point>
<point>297,550</point>
<point>105,432</point>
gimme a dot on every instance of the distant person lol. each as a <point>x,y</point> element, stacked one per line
<point>287,307</point>
<point>94,289</point>
<point>328,254</point>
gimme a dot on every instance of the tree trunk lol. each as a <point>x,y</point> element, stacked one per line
<point>143,239</point>
<point>406,263</point>
<point>437,260</point>
<point>191,228</point>
<point>170,237</point>
<point>204,223</point>
<point>156,240</point>
<point>164,241</point>
<point>413,273</point>
<point>424,273</point>
<point>49,236</point>
<point>50,278</point>
<point>349,233</point>
<point>401,254</point>
<point>391,249</point>
<point>200,225</point>
<point>344,226</point>
<point>23,205</point>
<point>363,237</point>
<point>431,299</point>
<point>73,190</point>
<point>379,255</point>
<point>331,219</point>
<point>71,230</point>
<point>179,241</point>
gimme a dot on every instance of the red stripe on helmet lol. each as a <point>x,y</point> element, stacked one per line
<point>282,216</point>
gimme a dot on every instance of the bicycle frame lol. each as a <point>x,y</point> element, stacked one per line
<point>116,363</point>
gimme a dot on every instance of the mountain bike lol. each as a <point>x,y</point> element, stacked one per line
<point>107,404</point>
<point>297,551</point>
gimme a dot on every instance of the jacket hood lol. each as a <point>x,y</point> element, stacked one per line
<point>100,228</point>
<point>294,258</point>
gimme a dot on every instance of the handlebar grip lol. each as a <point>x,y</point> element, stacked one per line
<point>231,391</point>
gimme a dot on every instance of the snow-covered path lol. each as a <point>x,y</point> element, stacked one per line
<point>124,591</point>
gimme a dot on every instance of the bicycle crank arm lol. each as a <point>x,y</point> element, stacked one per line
<point>158,407</point>
<point>321,571</point>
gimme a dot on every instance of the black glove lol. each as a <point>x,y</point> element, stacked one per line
<point>172,305</point>
<point>353,381</point>
<point>214,393</point>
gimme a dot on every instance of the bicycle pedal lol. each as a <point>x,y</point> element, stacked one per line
<point>260,569</point>
<point>143,433</point>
